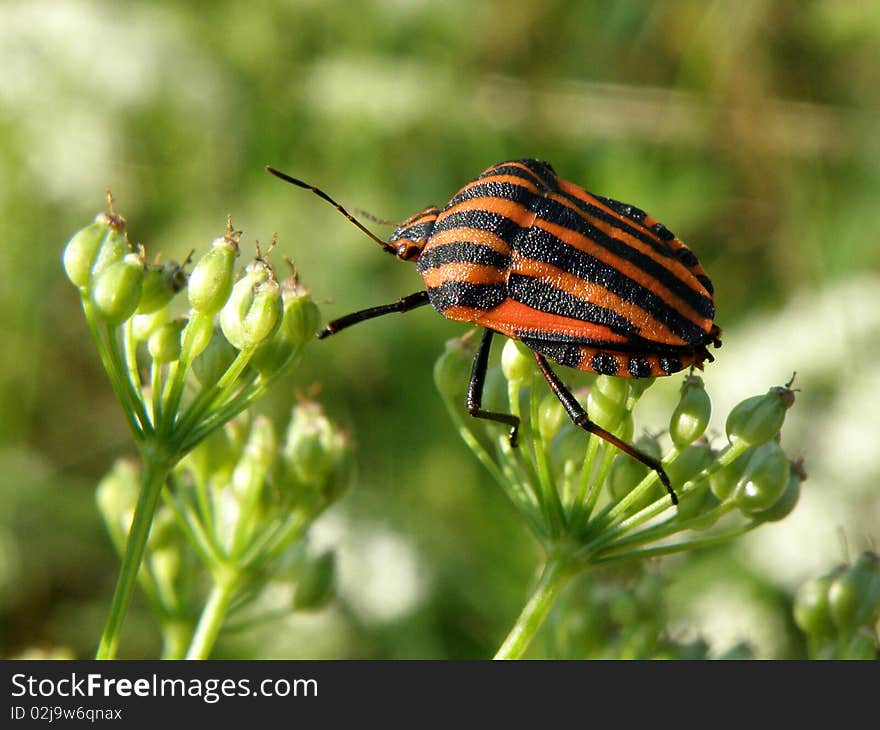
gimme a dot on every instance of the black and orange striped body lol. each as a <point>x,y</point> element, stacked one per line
<point>589,282</point>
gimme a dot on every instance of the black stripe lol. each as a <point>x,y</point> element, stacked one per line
<point>503,227</point>
<point>604,364</point>
<point>493,189</point>
<point>461,252</point>
<point>543,246</point>
<point>541,175</point>
<point>638,233</point>
<point>625,209</point>
<point>545,297</point>
<point>465,294</point>
<point>568,355</point>
<point>554,212</point>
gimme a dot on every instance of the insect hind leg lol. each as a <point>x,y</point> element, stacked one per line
<point>579,417</point>
<point>474,398</point>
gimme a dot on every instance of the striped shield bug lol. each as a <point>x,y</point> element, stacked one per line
<point>586,281</point>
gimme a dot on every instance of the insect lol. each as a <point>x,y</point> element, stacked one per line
<point>586,281</point>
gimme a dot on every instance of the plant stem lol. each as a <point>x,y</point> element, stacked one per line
<point>156,469</point>
<point>213,615</point>
<point>553,579</point>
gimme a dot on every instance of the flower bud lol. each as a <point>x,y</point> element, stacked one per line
<point>214,360</point>
<point>299,323</point>
<point>452,369</point>
<point>196,335</point>
<point>811,610</point>
<point>164,343</point>
<point>211,280</point>
<point>516,363</point>
<point>758,419</point>
<point>691,415</point>
<point>161,283</point>
<point>252,313</point>
<point>117,289</point>
<point>607,402</point>
<point>143,325</point>
<point>81,251</point>
<point>698,500</point>
<point>854,596</point>
<point>764,480</point>
<point>316,586</point>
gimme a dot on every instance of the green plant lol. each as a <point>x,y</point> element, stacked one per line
<point>590,506</point>
<point>179,379</point>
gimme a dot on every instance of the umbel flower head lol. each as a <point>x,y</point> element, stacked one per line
<point>577,488</point>
<point>180,373</point>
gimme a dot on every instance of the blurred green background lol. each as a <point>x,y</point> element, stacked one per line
<point>752,129</point>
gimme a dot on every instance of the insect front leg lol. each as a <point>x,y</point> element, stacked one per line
<point>474,399</point>
<point>578,415</point>
<point>420,298</point>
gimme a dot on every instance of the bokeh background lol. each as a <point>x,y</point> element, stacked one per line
<point>752,129</point>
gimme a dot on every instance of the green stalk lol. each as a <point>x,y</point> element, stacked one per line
<point>554,577</point>
<point>214,614</point>
<point>156,469</point>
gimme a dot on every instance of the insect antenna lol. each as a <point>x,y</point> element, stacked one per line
<point>321,194</point>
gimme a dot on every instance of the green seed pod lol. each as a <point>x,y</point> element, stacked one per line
<point>812,613</point>
<point>758,419</point>
<point>117,289</point>
<point>516,363</point>
<point>252,313</point>
<point>307,449</point>
<point>854,596</point>
<point>316,586</point>
<point>161,283</point>
<point>214,360</point>
<point>862,645</point>
<point>143,325</point>
<point>113,249</point>
<point>690,462</point>
<point>196,335</point>
<point>607,402</point>
<point>764,479</point>
<point>787,502</point>
<point>699,500</point>
<point>262,444</point>
<point>299,323</point>
<point>81,251</point>
<point>723,482</point>
<point>691,415</point>
<point>551,417</point>
<point>164,343</point>
<point>211,280</point>
<point>626,473</point>
<point>452,370</point>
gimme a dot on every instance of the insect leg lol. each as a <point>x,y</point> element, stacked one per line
<point>420,298</point>
<point>580,418</point>
<point>474,399</point>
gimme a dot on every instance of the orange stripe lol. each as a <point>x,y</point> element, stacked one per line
<point>463,271</point>
<point>649,327</point>
<point>499,206</point>
<point>582,243</point>
<point>473,235</point>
